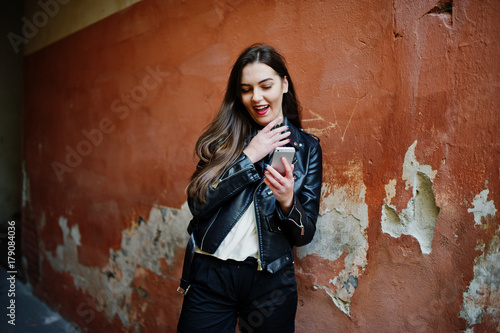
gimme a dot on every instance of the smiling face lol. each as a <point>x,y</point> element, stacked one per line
<point>262,92</point>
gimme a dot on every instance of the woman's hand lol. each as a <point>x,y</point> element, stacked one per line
<point>281,185</point>
<point>266,140</point>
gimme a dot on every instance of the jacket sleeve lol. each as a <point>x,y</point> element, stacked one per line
<point>300,223</point>
<point>239,175</point>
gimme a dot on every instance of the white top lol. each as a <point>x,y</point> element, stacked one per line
<point>242,241</point>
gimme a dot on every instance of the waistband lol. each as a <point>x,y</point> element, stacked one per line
<point>250,261</point>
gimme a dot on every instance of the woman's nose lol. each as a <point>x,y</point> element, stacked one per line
<point>257,96</point>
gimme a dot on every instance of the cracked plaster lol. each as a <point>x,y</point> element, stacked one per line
<point>419,218</point>
<point>141,246</point>
<point>341,228</point>
<point>482,295</point>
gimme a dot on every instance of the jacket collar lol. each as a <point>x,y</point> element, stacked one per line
<point>294,136</point>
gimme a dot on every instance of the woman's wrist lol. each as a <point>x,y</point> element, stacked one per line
<point>286,206</point>
<point>249,154</point>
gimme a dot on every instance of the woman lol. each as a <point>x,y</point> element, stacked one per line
<point>246,215</point>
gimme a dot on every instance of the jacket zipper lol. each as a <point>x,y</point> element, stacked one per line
<point>301,225</point>
<point>214,186</point>
<point>259,236</point>
<point>206,232</point>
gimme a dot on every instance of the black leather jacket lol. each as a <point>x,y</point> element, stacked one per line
<point>243,182</point>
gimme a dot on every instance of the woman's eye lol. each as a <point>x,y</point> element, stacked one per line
<point>244,91</point>
<point>267,87</point>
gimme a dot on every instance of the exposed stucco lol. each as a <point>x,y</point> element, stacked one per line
<point>341,233</point>
<point>144,246</point>
<point>418,219</point>
<point>483,208</point>
<point>482,296</point>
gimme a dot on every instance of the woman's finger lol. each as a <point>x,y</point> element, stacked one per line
<point>273,123</point>
<point>279,180</point>
<point>273,172</point>
<point>288,168</point>
<point>280,130</point>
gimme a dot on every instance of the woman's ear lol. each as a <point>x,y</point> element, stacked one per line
<point>285,85</point>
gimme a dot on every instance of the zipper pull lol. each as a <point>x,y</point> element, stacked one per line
<point>214,186</point>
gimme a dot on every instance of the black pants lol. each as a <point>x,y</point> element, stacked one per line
<point>224,291</point>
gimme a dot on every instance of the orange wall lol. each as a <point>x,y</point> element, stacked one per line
<point>404,96</point>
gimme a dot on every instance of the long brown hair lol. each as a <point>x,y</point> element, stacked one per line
<point>224,138</point>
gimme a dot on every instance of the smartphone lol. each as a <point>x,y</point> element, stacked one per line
<point>279,152</point>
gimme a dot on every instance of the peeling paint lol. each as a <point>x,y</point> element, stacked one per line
<point>411,167</point>
<point>418,219</point>
<point>142,247</point>
<point>482,296</point>
<point>390,191</point>
<point>482,207</point>
<point>344,306</point>
<point>341,228</point>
